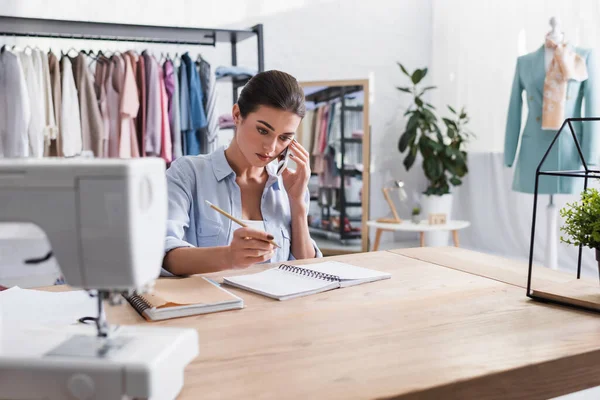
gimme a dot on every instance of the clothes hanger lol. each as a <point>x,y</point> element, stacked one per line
<point>69,51</point>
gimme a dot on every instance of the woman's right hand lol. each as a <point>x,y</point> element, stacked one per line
<point>249,246</point>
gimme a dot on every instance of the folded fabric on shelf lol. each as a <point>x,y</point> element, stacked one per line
<point>226,121</point>
<point>235,71</point>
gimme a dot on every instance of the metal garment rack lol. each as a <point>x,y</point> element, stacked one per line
<point>326,95</point>
<point>66,29</point>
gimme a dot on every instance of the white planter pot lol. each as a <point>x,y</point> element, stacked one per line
<point>436,205</point>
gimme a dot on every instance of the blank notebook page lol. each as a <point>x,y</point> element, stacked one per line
<point>345,271</point>
<point>279,283</point>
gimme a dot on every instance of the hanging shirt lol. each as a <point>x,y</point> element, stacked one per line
<point>114,77</point>
<point>36,104</point>
<point>184,105</point>
<point>14,107</point>
<point>197,117</point>
<point>100,77</point>
<point>92,127</point>
<point>70,121</point>
<point>140,79</point>
<point>166,149</point>
<point>50,128</point>
<point>197,114</point>
<point>128,145</point>
<point>153,103</point>
<point>209,87</point>
<point>55,145</point>
<point>172,88</point>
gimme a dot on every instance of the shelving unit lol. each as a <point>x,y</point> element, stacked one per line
<point>326,95</point>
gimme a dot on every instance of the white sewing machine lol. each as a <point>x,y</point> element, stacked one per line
<point>105,220</point>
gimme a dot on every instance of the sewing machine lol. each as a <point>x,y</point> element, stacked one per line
<point>105,220</point>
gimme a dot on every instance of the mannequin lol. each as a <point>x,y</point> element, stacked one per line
<point>536,74</point>
<point>557,36</point>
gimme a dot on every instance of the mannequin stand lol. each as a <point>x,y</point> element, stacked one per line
<point>552,236</point>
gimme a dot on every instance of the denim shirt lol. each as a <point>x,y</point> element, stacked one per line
<point>192,223</point>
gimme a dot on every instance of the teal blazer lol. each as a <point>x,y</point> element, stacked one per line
<point>529,76</point>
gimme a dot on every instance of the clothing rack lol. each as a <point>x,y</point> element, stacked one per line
<point>322,96</point>
<point>67,29</point>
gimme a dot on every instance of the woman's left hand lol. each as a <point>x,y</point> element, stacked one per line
<point>296,182</point>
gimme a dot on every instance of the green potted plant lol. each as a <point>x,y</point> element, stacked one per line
<point>444,160</point>
<point>416,211</point>
<point>582,222</point>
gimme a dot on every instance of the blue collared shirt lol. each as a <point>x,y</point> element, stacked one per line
<point>192,223</point>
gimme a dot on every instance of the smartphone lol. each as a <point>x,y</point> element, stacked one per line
<point>283,161</point>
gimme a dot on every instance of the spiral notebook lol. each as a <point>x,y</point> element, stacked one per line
<point>289,281</point>
<point>182,297</point>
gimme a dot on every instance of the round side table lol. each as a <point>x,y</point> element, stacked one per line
<point>422,227</point>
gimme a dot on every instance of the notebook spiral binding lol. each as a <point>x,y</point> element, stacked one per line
<point>310,273</point>
<point>138,302</point>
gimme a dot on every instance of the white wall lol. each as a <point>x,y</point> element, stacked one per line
<point>311,39</point>
<point>475,47</point>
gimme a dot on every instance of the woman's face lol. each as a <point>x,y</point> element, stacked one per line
<point>264,133</point>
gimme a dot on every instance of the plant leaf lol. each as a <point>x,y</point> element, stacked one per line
<point>403,89</point>
<point>433,168</point>
<point>403,69</point>
<point>452,110</point>
<point>455,181</point>
<point>419,102</point>
<point>404,139</point>
<point>410,158</point>
<point>430,106</point>
<point>418,75</point>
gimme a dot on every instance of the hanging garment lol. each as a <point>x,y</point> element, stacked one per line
<point>166,148</point>
<point>36,104</point>
<point>50,127</point>
<point>114,79</point>
<point>153,103</point>
<point>92,127</point>
<point>196,109</point>
<point>100,77</point>
<point>209,87</point>
<point>70,121</point>
<point>566,64</point>
<point>133,58</point>
<point>128,145</point>
<point>140,80</point>
<point>184,104</point>
<point>530,77</point>
<point>172,86</point>
<point>55,146</point>
<point>15,111</point>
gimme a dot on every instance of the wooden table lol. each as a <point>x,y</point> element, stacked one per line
<point>450,324</point>
<point>422,227</point>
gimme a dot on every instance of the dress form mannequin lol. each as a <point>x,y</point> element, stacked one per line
<point>557,36</point>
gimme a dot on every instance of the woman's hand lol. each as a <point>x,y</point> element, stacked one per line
<point>249,246</point>
<point>296,182</point>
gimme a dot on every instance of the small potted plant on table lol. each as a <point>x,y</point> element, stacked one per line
<point>582,222</point>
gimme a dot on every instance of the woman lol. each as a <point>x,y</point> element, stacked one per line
<point>241,180</point>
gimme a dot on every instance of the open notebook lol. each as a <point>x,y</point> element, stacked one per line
<point>288,281</point>
<point>182,297</point>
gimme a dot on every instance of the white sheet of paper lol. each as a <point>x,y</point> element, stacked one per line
<point>35,307</point>
<point>345,271</point>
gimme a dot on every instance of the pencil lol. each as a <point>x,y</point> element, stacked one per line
<point>234,219</point>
